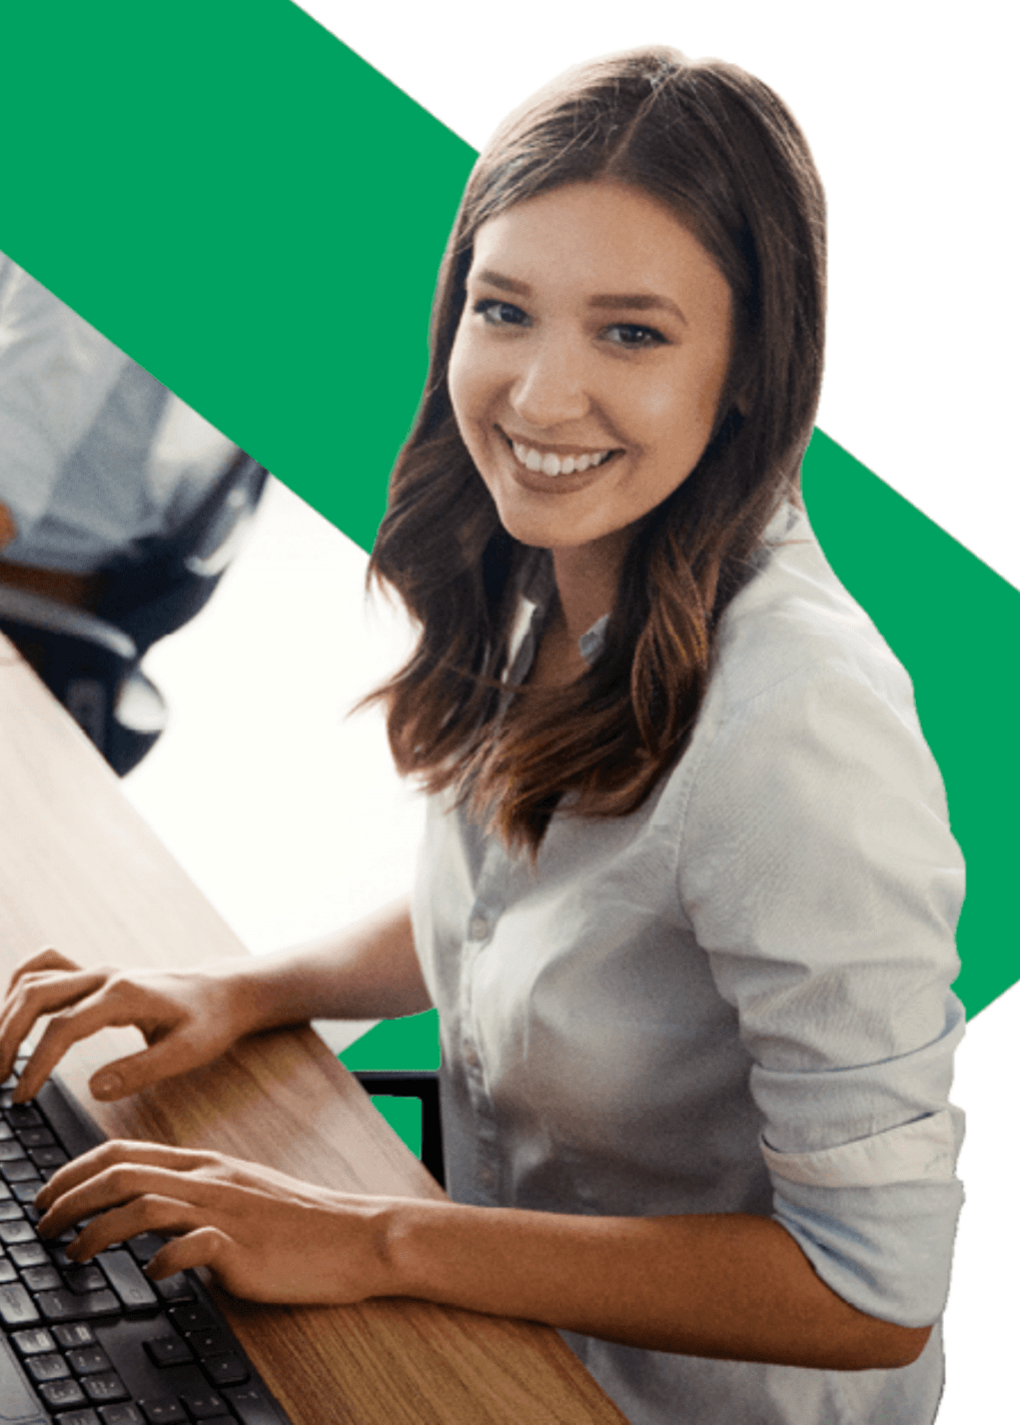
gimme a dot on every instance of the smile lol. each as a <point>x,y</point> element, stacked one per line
<point>547,462</point>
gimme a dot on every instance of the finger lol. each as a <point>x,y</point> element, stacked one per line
<point>175,1054</point>
<point>198,1248</point>
<point>79,1008</point>
<point>149,1213</point>
<point>36,995</point>
<point>49,959</point>
<point>118,1155</point>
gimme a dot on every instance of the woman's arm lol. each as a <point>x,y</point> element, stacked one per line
<point>370,970</point>
<point>731,1286</point>
<point>728,1285</point>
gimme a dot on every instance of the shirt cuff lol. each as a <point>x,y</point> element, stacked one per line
<point>924,1150</point>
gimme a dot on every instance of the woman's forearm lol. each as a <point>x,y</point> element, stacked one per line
<point>730,1286</point>
<point>369,970</point>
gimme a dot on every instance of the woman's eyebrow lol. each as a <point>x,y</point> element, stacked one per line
<point>630,301</point>
<point>637,302</point>
<point>505,284</point>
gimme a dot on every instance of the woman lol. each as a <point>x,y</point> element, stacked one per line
<point>687,898</point>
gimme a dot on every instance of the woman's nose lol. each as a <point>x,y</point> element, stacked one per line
<point>552,387</point>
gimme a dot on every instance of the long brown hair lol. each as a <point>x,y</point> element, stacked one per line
<point>723,152</point>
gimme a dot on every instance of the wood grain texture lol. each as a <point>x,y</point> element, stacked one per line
<point>80,870</point>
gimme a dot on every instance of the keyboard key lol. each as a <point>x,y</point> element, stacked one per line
<point>121,1415</point>
<point>175,1288</point>
<point>30,1343</point>
<point>191,1318</point>
<point>108,1386</point>
<point>205,1406</point>
<point>6,1131</point>
<point>48,1367</point>
<point>78,1417</point>
<point>227,1369</point>
<point>62,1392</point>
<point>7,1271</point>
<point>69,1337</point>
<point>28,1254</point>
<point>82,1279</point>
<point>20,1171</point>
<point>168,1351</point>
<point>88,1360</point>
<point>164,1411</point>
<point>11,1150</point>
<point>28,1190</point>
<point>23,1115</point>
<point>251,1406</point>
<point>20,1231</point>
<point>48,1157</point>
<point>145,1246</point>
<point>16,1306</point>
<point>41,1278</point>
<point>67,1306</point>
<point>11,1211</point>
<point>36,1138</point>
<point>208,1343</point>
<point>127,1281</point>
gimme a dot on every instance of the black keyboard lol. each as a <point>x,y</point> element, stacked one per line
<point>100,1344</point>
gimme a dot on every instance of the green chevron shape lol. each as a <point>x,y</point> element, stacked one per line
<point>257,216</point>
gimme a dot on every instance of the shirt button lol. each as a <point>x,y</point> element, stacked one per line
<point>478,927</point>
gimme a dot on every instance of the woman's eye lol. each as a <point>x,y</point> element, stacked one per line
<point>630,334</point>
<point>501,314</point>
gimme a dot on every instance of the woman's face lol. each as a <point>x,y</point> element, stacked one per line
<point>589,362</point>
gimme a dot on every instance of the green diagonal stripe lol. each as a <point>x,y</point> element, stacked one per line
<point>257,216</point>
<point>245,207</point>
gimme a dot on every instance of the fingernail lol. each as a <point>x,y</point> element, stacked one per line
<point>106,1085</point>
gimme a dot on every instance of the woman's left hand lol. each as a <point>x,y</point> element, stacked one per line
<point>264,1235</point>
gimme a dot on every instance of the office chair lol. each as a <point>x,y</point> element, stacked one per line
<point>424,1086</point>
<point>89,661</point>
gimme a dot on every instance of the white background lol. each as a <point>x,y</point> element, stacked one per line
<point>289,816</point>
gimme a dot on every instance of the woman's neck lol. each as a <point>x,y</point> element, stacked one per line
<point>586,582</point>
<point>587,578</point>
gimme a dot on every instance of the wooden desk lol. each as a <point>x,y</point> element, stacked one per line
<point>80,870</point>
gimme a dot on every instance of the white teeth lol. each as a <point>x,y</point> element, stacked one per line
<point>550,464</point>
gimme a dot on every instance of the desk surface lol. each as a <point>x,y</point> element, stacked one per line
<point>80,870</point>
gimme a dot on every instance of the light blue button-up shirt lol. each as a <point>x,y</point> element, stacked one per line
<point>735,999</point>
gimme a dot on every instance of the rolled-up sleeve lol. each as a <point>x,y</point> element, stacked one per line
<point>820,876</point>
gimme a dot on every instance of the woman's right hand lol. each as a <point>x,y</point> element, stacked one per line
<point>187,1018</point>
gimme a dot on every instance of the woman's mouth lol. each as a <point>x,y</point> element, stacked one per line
<point>547,462</point>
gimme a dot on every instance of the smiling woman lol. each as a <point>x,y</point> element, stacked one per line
<point>580,418</point>
<point>687,898</point>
